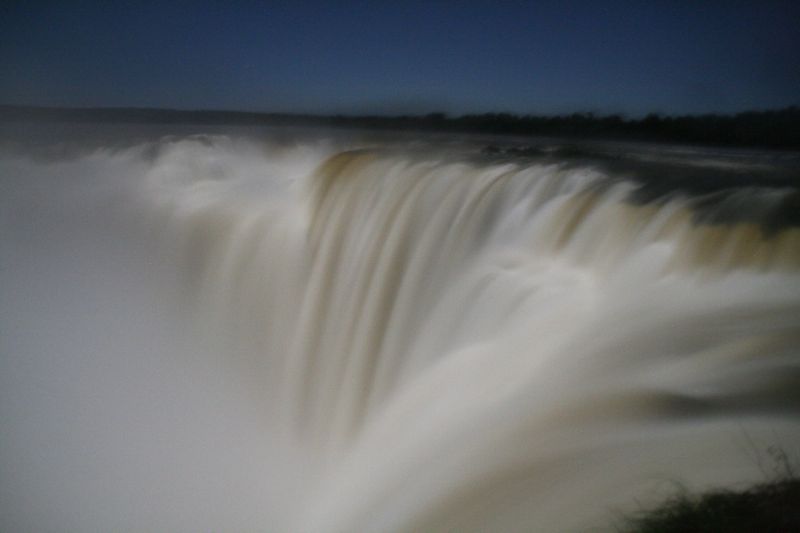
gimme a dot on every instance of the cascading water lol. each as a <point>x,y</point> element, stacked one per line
<point>215,333</point>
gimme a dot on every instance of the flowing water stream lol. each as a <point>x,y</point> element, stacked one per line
<point>248,333</point>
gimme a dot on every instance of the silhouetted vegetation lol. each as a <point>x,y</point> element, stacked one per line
<point>772,507</point>
<point>778,128</point>
<point>768,508</point>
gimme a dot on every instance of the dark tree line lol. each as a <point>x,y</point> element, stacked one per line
<point>777,128</point>
<point>780,128</point>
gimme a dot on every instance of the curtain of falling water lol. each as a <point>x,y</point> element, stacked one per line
<point>403,343</point>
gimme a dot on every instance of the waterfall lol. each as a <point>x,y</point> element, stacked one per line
<point>438,340</point>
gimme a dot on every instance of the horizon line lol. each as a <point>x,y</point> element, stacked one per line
<point>444,115</point>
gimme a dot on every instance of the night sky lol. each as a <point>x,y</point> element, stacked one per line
<point>404,56</point>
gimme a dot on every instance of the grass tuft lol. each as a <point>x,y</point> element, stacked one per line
<point>767,508</point>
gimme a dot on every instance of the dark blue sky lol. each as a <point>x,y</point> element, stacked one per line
<point>404,56</point>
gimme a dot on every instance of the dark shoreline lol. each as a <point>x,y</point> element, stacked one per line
<point>757,129</point>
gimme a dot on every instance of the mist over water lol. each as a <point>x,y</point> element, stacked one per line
<point>324,333</point>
